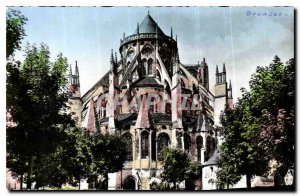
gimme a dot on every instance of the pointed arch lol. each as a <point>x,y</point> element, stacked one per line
<point>150,66</point>
<point>145,144</point>
<point>199,143</point>
<point>187,142</point>
<point>163,141</point>
<point>147,50</point>
<point>129,183</point>
<point>128,140</point>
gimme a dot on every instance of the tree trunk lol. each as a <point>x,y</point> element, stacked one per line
<point>248,179</point>
<point>21,182</point>
<point>29,174</point>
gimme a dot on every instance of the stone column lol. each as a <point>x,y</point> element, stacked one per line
<point>140,144</point>
<point>203,149</point>
<point>150,146</point>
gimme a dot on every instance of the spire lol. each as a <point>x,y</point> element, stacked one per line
<point>112,60</point>
<point>148,13</point>
<point>176,38</point>
<point>76,69</point>
<point>230,87</point>
<point>123,35</point>
<point>204,60</point>
<point>138,29</point>
<point>217,70</point>
<point>171,33</point>
<point>116,57</point>
<point>70,69</point>
<point>224,69</point>
<point>112,56</point>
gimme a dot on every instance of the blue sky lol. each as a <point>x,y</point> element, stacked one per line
<point>220,34</point>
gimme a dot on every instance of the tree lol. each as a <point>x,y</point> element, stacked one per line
<point>261,127</point>
<point>109,155</point>
<point>177,167</point>
<point>240,154</point>
<point>70,162</point>
<point>36,101</point>
<point>15,31</point>
<point>76,155</point>
<point>273,89</point>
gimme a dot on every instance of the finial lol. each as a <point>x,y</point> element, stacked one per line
<point>230,87</point>
<point>148,12</point>
<point>123,35</point>
<point>116,58</point>
<point>217,70</point>
<point>176,38</point>
<point>204,60</point>
<point>171,33</point>
<point>112,56</point>
<point>76,69</point>
<point>138,29</point>
<point>70,69</point>
<point>224,69</point>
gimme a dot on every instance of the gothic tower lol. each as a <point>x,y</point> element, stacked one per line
<point>223,95</point>
<point>74,101</point>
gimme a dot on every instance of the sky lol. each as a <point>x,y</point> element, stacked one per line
<point>241,37</point>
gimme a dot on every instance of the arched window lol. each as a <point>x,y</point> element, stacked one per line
<point>150,62</point>
<point>187,142</point>
<point>199,142</point>
<point>153,145</point>
<point>162,143</point>
<point>144,67</point>
<point>208,147</point>
<point>145,144</point>
<point>128,141</point>
<point>129,183</point>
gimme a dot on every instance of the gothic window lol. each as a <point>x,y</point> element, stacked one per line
<point>145,144</point>
<point>147,50</point>
<point>213,144</point>
<point>165,55</point>
<point>162,143</point>
<point>208,147</point>
<point>199,142</point>
<point>150,67</point>
<point>187,142</point>
<point>128,141</point>
<point>129,183</point>
<point>144,67</point>
<point>153,145</point>
<point>130,54</point>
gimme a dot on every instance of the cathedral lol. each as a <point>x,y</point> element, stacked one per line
<point>154,101</point>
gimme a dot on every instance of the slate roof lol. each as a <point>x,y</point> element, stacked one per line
<point>148,25</point>
<point>214,159</point>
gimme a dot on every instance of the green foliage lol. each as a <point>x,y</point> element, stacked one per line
<point>261,126</point>
<point>15,32</point>
<point>177,167</point>
<point>36,100</point>
<point>109,155</point>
